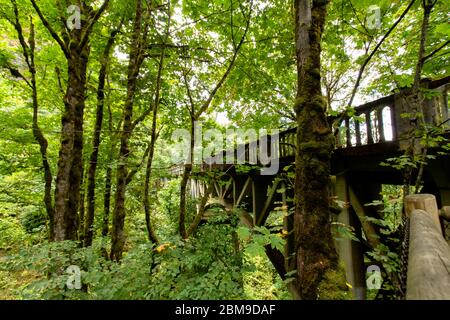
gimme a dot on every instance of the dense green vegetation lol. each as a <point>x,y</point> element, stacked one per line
<point>86,122</point>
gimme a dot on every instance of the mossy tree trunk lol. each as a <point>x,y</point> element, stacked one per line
<point>137,56</point>
<point>315,253</point>
<point>28,52</point>
<point>76,49</point>
<point>415,102</point>
<point>91,179</point>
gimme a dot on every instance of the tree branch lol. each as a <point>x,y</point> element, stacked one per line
<point>94,19</point>
<point>436,51</point>
<point>189,93</point>
<point>366,62</point>
<point>50,29</point>
<point>207,103</point>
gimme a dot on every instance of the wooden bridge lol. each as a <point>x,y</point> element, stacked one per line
<point>377,131</point>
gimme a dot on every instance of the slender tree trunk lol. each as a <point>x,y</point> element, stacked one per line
<point>39,136</point>
<point>154,136</point>
<point>107,200</point>
<point>314,247</point>
<point>82,207</point>
<point>28,51</point>
<point>136,59</point>
<point>184,181</point>
<point>96,140</point>
<point>150,231</point>
<point>414,99</point>
<point>196,114</point>
<point>67,192</point>
<point>108,177</point>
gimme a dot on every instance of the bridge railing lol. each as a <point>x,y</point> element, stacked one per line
<point>288,142</point>
<point>374,122</point>
<point>383,120</point>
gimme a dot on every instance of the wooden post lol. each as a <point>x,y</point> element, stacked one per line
<point>380,120</point>
<point>358,133</point>
<point>429,258</point>
<point>349,251</point>
<point>370,138</point>
<point>348,133</point>
<point>425,202</point>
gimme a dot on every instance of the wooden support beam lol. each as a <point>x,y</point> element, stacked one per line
<point>217,188</point>
<point>244,190</point>
<point>246,219</point>
<point>348,133</point>
<point>227,187</point>
<point>262,216</point>
<point>350,251</point>
<point>360,211</point>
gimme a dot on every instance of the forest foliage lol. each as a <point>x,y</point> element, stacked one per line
<point>152,67</point>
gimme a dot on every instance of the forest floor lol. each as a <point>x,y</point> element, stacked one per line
<point>11,282</point>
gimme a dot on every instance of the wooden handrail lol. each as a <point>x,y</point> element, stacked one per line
<point>429,254</point>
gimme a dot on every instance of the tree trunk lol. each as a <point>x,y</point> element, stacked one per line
<point>136,59</point>
<point>195,115</point>
<point>70,164</point>
<point>82,207</point>
<point>68,179</point>
<point>184,181</point>
<point>314,247</point>
<point>28,51</point>
<point>150,231</point>
<point>37,132</point>
<point>414,99</point>
<point>108,176</point>
<point>89,232</point>
<point>107,200</point>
